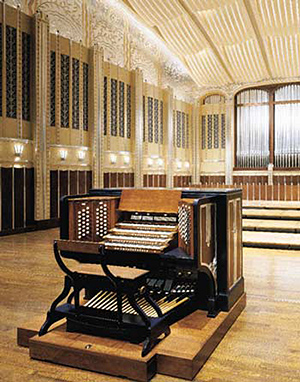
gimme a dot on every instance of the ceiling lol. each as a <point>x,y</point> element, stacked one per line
<point>224,42</point>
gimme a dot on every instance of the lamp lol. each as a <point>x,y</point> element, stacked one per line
<point>179,164</point>
<point>81,155</point>
<point>160,162</point>
<point>126,159</point>
<point>150,162</point>
<point>18,147</point>
<point>113,158</point>
<point>187,165</point>
<point>63,154</point>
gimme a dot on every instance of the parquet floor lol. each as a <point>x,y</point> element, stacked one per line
<point>262,346</point>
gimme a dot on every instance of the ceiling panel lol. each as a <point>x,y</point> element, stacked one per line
<point>228,41</point>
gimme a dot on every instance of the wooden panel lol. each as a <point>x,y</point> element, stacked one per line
<point>150,200</point>
<point>106,180</point>
<point>207,233</point>
<point>120,179</point>
<point>113,180</point>
<point>6,197</point>
<point>19,197</point>
<point>82,182</point>
<point>150,180</point>
<point>30,196</point>
<point>73,182</point>
<point>54,194</point>
<point>63,183</point>
<point>131,179</point>
<point>89,180</point>
<point>145,180</point>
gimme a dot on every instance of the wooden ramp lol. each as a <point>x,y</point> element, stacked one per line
<point>273,204</point>
<point>182,354</point>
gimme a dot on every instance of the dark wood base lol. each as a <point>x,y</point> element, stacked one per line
<point>182,354</point>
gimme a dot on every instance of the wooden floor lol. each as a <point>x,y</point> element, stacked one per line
<point>262,346</point>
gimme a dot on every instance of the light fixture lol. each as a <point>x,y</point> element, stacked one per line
<point>113,158</point>
<point>160,162</point>
<point>150,162</point>
<point>63,154</point>
<point>126,159</point>
<point>179,164</point>
<point>187,165</point>
<point>18,147</point>
<point>81,155</point>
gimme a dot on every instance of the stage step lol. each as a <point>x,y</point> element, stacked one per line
<point>269,213</point>
<point>271,239</point>
<point>289,226</point>
<point>273,204</point>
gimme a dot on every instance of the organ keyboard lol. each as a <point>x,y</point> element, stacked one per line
<point>153,256</point>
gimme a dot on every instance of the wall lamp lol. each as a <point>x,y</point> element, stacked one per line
<point>63,154</point>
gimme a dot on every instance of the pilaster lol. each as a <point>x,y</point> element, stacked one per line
<point>138,122</point>
<point>229,153</point>
<point>41,117</point>
<point>98,131</point>
<point>195,144</point>
<point>170,133</point>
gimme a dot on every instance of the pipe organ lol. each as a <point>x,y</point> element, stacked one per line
<point>146,258</point>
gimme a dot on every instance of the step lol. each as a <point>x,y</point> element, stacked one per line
<point>271,213</point>
<point>271,240</point>
<point>273,204</point>
<point>271,225</point>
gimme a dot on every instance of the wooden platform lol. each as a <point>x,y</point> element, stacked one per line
<point>182,354</point>
<point>289,226</point>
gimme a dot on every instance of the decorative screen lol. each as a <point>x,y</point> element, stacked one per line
<point>25,76</point>
<point>75,93</point>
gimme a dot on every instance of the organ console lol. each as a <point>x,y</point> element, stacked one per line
<point>145,259</point>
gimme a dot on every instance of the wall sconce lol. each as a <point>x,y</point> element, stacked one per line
<point>81,155</point>
<point>179,164</point>
<point>150,162</point>
<point>18,148</point>
<point>187,165</point>
<point>126,159</point>
<point>113,158</point>
<point>160,162</point>
<point>63,154</point>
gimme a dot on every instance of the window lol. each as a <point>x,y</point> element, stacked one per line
<point>255,130</point>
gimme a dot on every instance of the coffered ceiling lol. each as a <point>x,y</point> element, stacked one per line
<point>223,42</point>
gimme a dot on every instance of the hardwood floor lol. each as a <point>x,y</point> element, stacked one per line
<point>263,344</point>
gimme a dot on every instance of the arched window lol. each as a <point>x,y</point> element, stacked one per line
<point>252,126</point>
<point>268,127</point>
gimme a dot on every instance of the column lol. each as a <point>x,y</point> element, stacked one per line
<point>41,141</point>
<point>230,147</point>
<point>138,122</point>
<point>196,147</point>
<point>170,147</point>
<point>98,133</point>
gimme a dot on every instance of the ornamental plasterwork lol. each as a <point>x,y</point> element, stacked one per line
<point>104,22</point>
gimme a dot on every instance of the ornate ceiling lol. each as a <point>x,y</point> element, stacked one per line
<point>191,45</point>
<point>225,42</point>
